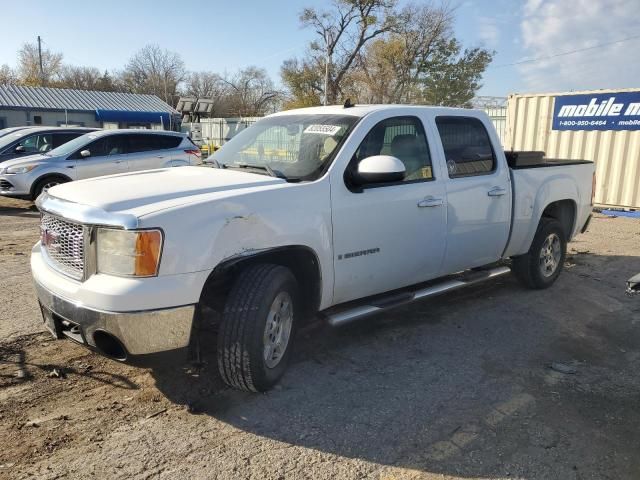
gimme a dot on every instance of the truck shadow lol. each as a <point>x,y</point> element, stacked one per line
<point>460,384</point>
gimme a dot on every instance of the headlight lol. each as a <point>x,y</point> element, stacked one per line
<point>21,168</point>
<point>129,253</point>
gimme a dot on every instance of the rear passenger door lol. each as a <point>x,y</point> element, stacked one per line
<point>147,152</point>
<point>478,194</point>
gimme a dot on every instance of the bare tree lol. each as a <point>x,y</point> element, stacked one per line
<point>343,32</point>
<point>205,85</point>
<point>251,92</point>
<point>79,78</point>
<point>29,65</point>
<point>7,75</point>
<point>155,71</point>
<point>390,67</point>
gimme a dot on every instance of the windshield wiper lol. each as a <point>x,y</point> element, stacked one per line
<point>266,168</point>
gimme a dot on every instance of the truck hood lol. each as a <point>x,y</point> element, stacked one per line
<point>144,192</point>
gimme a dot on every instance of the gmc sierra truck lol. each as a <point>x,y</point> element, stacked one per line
<point>337,212</point>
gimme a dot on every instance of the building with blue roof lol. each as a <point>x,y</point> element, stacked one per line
<point>33,106</point>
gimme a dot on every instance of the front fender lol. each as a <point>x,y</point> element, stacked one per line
<point>207,231</point>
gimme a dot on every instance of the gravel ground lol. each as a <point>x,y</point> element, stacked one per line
<point>454,387</point>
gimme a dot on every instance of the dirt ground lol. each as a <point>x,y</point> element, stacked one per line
<point>454,387</point>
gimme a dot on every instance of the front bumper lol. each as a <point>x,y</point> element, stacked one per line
<point>15,185</point>
<point>140,333</point>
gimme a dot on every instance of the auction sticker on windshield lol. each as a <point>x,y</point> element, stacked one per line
<point>323,129</point>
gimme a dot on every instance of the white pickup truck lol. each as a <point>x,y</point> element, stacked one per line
<point>339,211</point>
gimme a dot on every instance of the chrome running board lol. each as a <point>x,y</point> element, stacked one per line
<point>338,316</point>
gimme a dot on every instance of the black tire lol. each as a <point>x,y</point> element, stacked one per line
<point>45,183</point>
<point>531,269</point>
<point>241,337</point>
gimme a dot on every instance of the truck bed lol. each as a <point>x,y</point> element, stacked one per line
<point>540,184</point>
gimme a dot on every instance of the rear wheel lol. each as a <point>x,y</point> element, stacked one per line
<point>257,329</point>
<point>45,184</point>
<point>541,265</point>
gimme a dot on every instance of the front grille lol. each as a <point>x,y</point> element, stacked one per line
<point>63,243</point>
<point>4,185</point>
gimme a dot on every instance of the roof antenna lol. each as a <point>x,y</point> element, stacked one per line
<point>348,104</point>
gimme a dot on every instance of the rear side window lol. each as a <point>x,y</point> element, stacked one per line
<point>467,147</point>
<point>144,143</point>
<point>170,141</point>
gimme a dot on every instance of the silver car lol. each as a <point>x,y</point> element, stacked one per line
<point>95,154</point>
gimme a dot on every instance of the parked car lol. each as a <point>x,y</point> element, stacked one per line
<point>31,140</point>
<point>95,154</point>
<point>633,285</point>
<point>344,212</point>
<point>8,130</point>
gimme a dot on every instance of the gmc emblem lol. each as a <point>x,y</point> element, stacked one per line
<point>49,239</point>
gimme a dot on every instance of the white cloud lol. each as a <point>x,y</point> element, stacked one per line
<point>489,31</point>
<point>550,27</point>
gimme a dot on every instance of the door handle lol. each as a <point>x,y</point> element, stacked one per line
<point>497,192</point>
<point>118,161</point>
<point>430,202</point>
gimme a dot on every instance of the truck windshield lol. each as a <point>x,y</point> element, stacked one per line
<point>294,147</point>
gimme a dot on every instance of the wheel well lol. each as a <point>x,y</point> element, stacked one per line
<point>302,262</point>
<point>45,177</point>
<point>563,211</point>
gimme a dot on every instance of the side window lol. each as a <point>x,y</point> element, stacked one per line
<point>169,141</point>
<point>142,143</point>
<point>105,146</point>
<point>467,147</point>
<point>401,137</point>
<point>37,143</point>
<point>62,138</point>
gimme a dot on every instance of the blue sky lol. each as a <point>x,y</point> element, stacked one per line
<point>225,36</point>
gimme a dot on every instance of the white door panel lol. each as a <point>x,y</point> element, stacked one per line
<point>383,238</point>
<point>477,223</point>
<point>388,236</point>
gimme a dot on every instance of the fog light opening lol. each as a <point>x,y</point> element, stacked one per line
<point>109,345</point>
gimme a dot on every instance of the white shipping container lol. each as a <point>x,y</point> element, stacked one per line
<point>616,153</point>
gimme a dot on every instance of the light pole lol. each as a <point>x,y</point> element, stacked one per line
<point>328,41</point>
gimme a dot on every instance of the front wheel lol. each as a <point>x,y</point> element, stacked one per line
<point>540,266</point>
<point>45,184</point>
<point>257,328</point>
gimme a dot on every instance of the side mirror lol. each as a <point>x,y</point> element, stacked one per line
<point>633,285</point>
<point>379,169</point>
<point>85,153</point>
<point>20,149</point>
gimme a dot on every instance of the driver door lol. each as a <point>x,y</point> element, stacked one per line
<point>108,156</point>
<point>388,236</point>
